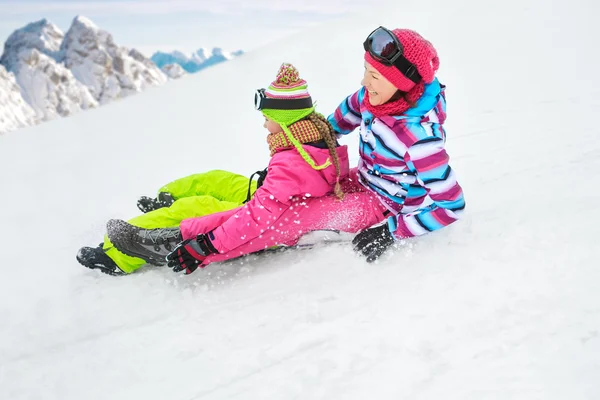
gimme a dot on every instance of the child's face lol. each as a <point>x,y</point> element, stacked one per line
<point>380,89</point>
<point>271,126</point>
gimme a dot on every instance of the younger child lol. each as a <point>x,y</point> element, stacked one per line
<point>306,161</point>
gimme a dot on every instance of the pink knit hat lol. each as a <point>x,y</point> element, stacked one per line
<point>418,51</point>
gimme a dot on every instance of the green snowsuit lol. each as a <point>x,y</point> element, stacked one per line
<point>195,196</point>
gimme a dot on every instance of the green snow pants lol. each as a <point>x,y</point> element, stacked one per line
<point>195,196</point>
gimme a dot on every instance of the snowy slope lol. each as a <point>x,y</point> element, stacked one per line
<point>504,304</point>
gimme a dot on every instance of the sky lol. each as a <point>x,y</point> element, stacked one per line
<point>185,25</point>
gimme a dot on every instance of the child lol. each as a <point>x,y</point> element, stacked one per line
<point>305,161</point>
<point>400,111</point>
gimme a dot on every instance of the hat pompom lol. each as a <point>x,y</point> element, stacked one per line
<point>287,74</point>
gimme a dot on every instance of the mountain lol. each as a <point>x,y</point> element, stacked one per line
<point>198,60</point>
<point>110,71</point>
<point>502,305</point>
<point>31,54</point>
<point>42,35</point>
<point>59,75</point>
<point>14,111</point>
<point>49,87</point>
<point>174,71</point>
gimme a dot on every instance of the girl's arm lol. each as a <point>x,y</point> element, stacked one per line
<point>429,160</point>
<point>347,116</point>
<point>256,217</point>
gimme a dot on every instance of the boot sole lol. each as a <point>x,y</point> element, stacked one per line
<point>100,267</point>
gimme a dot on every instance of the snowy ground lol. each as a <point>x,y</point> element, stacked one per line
<point>503,305</point>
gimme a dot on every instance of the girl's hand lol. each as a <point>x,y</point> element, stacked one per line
<point>190,254</point>
<point>373,242</point>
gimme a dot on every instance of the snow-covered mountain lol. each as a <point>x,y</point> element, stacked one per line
<point>14,111</point>
<point>504,304</point>
<point>110,71</point>
<point>42,35</point>
<point>198,60</point>
<point>31,54</point>
<point>59,75</point>
<point>49,87</point>
<point>173,71</point>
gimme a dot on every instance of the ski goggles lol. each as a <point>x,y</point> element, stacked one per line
<point>262,102</point>
<point>385,47</point>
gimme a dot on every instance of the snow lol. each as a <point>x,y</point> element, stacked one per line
<point>502,305</point>
<point>14,111</point>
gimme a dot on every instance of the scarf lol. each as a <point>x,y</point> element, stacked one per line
<point>397,107</point>
<point>303,131</point>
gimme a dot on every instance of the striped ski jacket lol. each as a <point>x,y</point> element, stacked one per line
<point>403,160</point>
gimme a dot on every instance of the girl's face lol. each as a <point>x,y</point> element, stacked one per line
<point>380,89</point>
<point>271,126</point>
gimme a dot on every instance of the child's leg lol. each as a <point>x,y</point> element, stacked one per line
<point>188,207</point>
<point>222,185</point>
<point>357,211</point>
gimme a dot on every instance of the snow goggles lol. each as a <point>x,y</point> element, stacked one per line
<point>262,102</point>
<point>385,47</point>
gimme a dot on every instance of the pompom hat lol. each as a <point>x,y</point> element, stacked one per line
<point>288,86</point>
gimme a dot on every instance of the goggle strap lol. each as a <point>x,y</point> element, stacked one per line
<point>407,68</point>
<point>285,104</point>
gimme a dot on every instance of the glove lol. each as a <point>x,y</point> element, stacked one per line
<point>373,242</point>
<point>190,254</point>
<point>147,204</point>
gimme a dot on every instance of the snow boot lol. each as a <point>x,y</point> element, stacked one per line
<point>151,245</point>
<point>96,258</point>
<point>147,204</point>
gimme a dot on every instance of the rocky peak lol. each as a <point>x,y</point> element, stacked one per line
<point>108,70</point>
<point>49,87</point>
<point>41,35</point>
<point>174,71</point>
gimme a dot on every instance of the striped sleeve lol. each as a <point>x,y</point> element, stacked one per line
<point>347,116</point>
<point>429,160</point>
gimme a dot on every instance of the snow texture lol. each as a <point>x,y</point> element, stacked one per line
<point>14,111</point>
<point>504,304</point>
<point>108,70</point>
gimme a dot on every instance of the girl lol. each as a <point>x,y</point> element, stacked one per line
<point>306,163</point>
<point>400,111</point>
